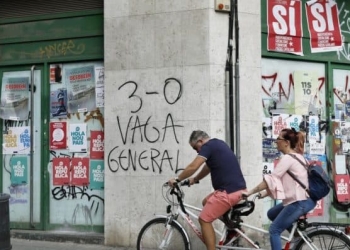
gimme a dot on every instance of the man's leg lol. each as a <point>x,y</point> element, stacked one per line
<point>208,234</point>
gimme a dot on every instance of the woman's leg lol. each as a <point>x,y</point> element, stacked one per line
<point>285,219</point>
<point>274,211</point>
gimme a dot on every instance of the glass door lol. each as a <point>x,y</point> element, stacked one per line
<point>21,166</point>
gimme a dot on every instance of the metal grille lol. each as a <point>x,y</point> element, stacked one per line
<point>28,8</point>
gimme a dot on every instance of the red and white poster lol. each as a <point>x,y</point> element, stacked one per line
<point>318,210</point>
<point>58,135</point>
<point>60,171</point>
<point>323,23</point>
<point>80,171</point>
<point>96,144</point>
<point>284,26</point>
<point>342,187</point>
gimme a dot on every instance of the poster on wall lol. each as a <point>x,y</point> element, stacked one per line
<point>100,86</point>
<point>342,187</point>
<point>97,174</point>
<point>318,210</point>
<point>80,82</point>
<point>284,21</point>
<point>16,140</point>
<point>80,172</point>
<point>77,138</point>
<point>60,171</point>
<point>58,135</point>
<point>96,144</point>
<point>55,73</point>
<point>14,98</point>
<point>19,170</point>
<point>305,90</point>
<point>58,103</point>
<point>323,23</point>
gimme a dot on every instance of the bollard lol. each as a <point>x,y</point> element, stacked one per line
<point>5,236</point>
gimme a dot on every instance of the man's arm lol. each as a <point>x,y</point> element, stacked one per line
<point>189,170</point>
<point>203,173</point>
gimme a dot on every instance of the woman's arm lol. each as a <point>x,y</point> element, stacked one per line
<point>261,186</point>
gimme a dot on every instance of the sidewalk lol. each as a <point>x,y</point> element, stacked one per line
<point>24,244</point>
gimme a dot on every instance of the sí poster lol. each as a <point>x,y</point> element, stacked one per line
<point>80,82</point>
<point>77,138</point>
<point>19,170</point>
<point>60,171</point>
<point>58,135</point>
<point>17,141</point>
<point>14,98</point>
<point>97,175</point>
<point>96,144</point>
<point>80,172</point>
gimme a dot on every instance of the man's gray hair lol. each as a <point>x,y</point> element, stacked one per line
<point>198,134</point>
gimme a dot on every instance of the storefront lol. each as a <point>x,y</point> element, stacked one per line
<point>52,108</point>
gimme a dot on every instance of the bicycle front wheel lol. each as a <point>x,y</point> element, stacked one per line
<point>155,235</point>
<point>325,239</point>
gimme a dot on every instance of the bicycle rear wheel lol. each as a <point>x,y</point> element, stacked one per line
<point>155,235</point>
<point>325,239</point>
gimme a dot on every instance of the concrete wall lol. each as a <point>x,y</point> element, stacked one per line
<point>164,69</point>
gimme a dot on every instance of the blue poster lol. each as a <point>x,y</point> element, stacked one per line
<point>19,170</point>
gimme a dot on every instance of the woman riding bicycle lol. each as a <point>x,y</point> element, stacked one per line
<point>280,185</point>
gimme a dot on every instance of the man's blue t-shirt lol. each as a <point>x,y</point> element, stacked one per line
<point>225,171</point>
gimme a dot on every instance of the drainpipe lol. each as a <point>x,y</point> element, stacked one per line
<point>31,144</point>
<point>237,83</point>
<point>229,82</point>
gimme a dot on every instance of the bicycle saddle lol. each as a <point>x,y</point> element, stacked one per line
<point>243,208</point>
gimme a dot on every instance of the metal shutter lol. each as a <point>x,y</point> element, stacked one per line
<point>28,8</point>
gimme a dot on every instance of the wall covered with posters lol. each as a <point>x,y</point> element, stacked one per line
<point>305,85</point>
<point>77,143</point>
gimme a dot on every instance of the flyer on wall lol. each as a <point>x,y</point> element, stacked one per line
<point>14,98</point>
<point>80,83</point>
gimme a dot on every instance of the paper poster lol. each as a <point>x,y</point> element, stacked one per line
<point>294,121</point>
<point>97,175</point>
<point>270,149</point>
<point>96,144</point>
<point>58,135</point>
<point>100,86</point>
<point>324,28</point>
<point>267,167</point>
<point>318,210</point>
<point>55,73</point>
<point>14,98</point>
<point>19,170</point>
<point>17,140</point>
<point>77,138</point>
<point>342,187</point>
<point>80,171</point>
<point>279,123</point>
<point>318,147</point>
<point>58,103</point>
<point>340,164</point>
<point>313,128</point>
<point>284,20</point>
<point>60,171</point>
<point>80,83</point>
<point>305,91</point>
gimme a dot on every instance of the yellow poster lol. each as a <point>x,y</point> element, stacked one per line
<point>305,92</point>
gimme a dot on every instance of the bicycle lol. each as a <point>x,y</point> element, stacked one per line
<point>166,232</point>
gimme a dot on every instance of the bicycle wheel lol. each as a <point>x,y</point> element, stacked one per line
<point>325,239</point>
<point>154,235</point>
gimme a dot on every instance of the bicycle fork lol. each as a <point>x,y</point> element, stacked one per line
<point>167,233</point>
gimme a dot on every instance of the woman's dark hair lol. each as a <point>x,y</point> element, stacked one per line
<point>295,138</point>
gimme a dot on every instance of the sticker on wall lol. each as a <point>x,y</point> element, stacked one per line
<point>97,175</point>
<point>324,27</point>
<point>58,135</point>
<point>342,187</point>
<point>55,73</point>
<point>19,170</point>
<point>285,31</point>
<point>58,103</point>
<point>80,83</point>
<point>305,92</point>
<point>96,144</point>
<point>14,98</point>
<point>77,138</point>
<point>100,86</point>
<point>16,141</point>
<point>80,171</point>
<point>60,171</point>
